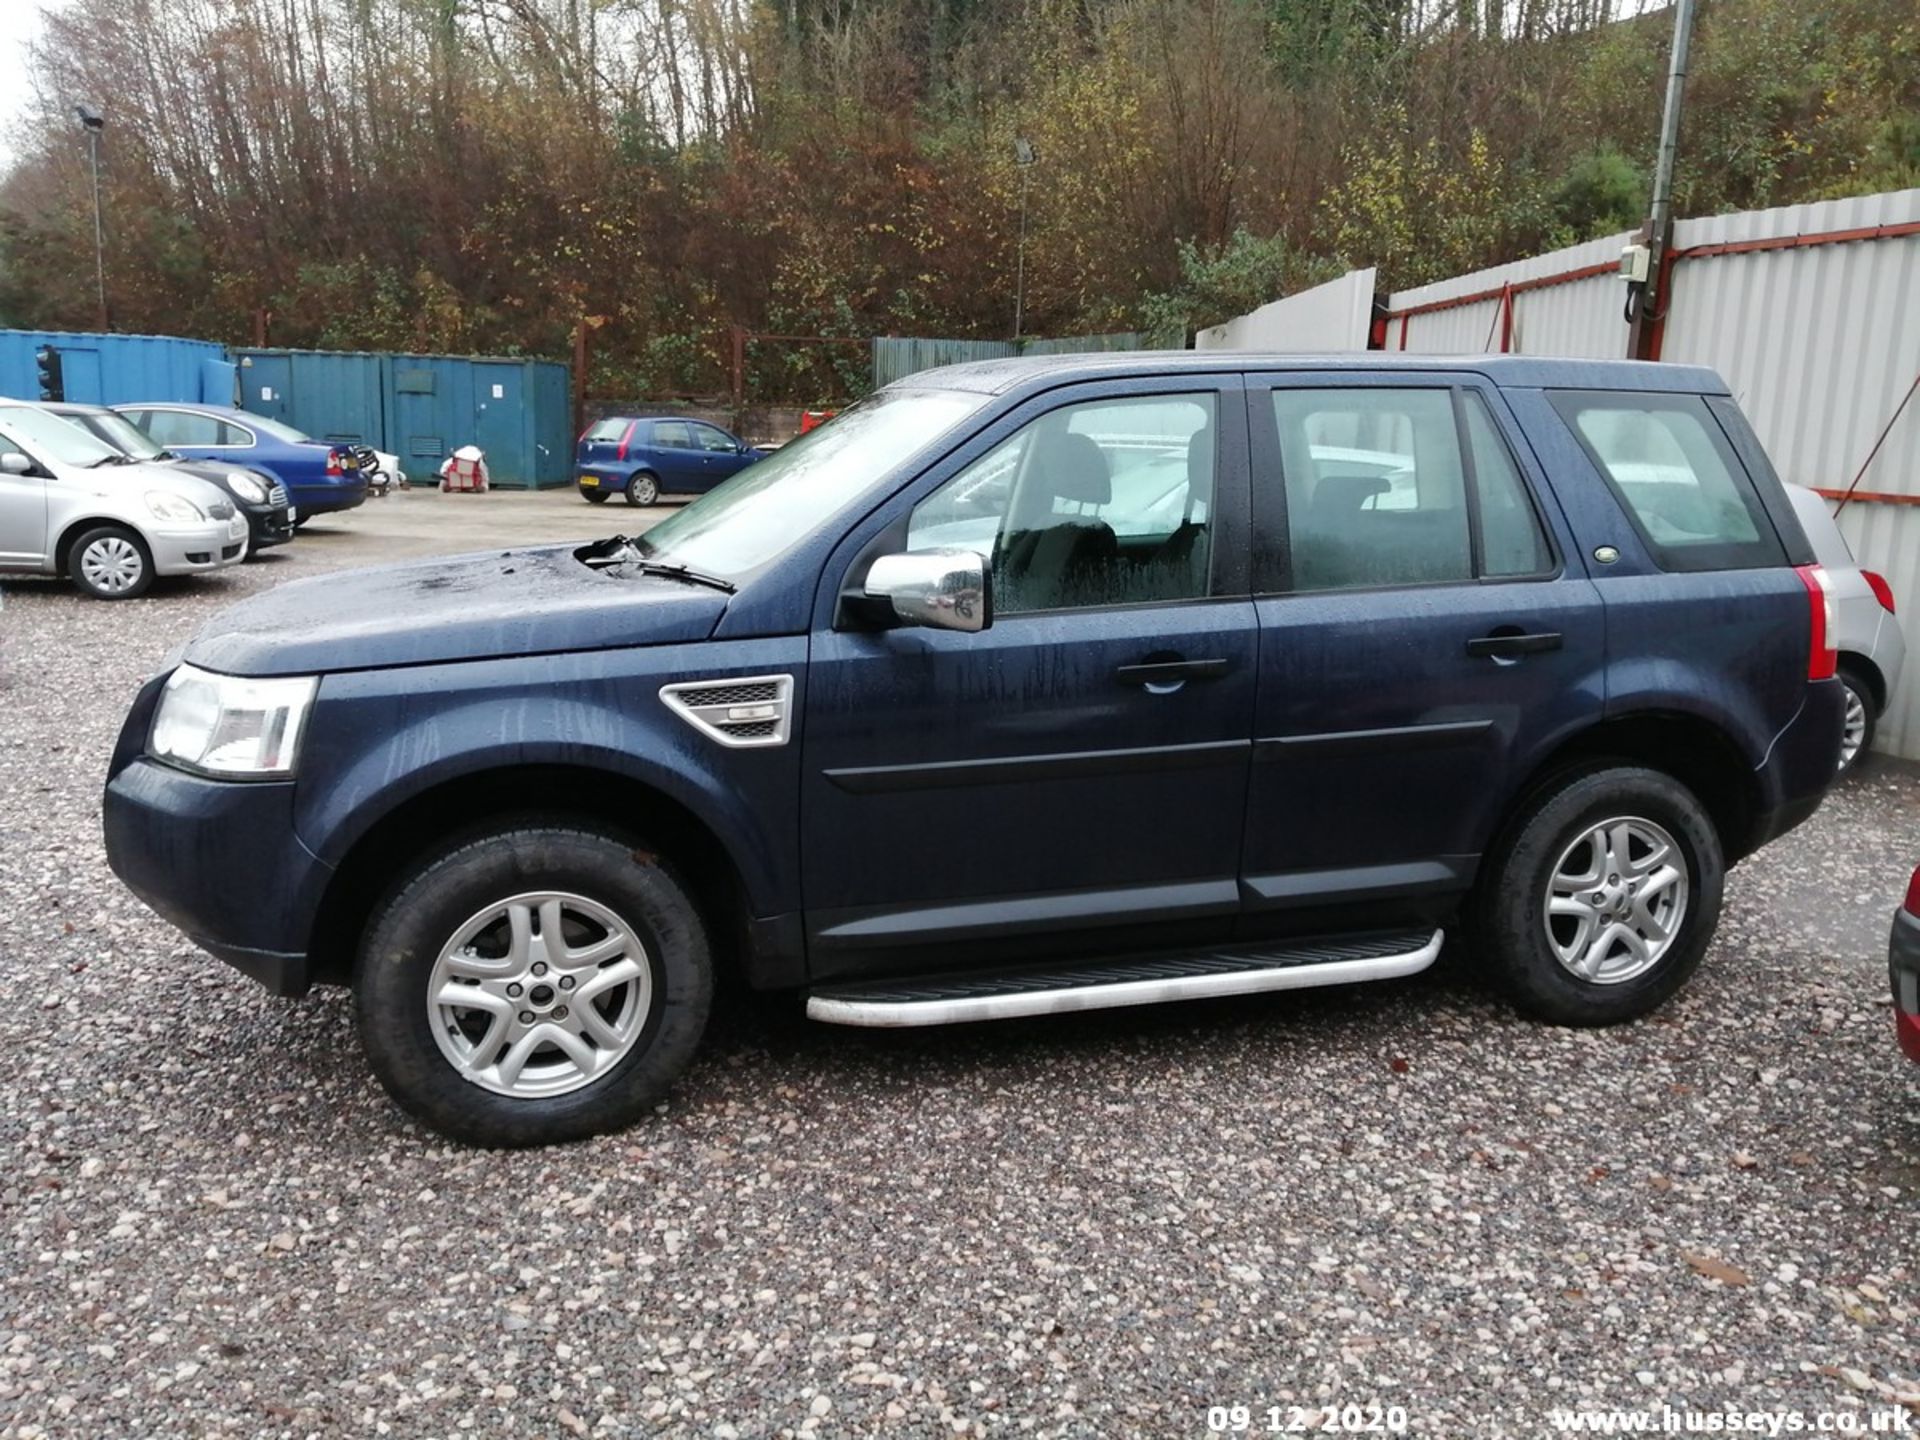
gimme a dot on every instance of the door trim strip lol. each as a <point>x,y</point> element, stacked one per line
<point>1021,769</point>
<point>1351,742</point>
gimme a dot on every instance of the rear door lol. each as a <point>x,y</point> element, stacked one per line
<point>1700,591</point>
<point>674,457</point>
<point>1426,631</point>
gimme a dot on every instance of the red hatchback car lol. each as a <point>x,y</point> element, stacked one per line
<point>1903,969</point>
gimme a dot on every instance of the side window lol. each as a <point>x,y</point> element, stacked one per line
<point>180,427</point>
<point>1106,502</point>
<point>234,435</point>
<point>1376,493</point>
<point>672,435</point>
<point>1511,541</point>
<point>706,437</point>
<point>1673,469</point>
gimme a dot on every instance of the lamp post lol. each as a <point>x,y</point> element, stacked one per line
<point>1023,156</point>
<point>93,123</point>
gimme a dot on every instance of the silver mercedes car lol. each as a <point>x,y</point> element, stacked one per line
<point>72,505</point>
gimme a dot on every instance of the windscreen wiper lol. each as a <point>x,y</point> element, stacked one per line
<point>681,572</point>
<point>619,550</point>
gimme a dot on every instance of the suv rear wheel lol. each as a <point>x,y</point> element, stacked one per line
<point>538,982</point>
<point>1603,897</point>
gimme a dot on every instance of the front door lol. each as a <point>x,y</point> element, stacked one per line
<point>1072,779</point>
<point>719,452</point>
<point>1426,627</point>
<point>23,516</point>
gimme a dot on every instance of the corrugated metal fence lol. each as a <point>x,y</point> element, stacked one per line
<point>117,369</point>
<point>1811,312</point>
<point>895,357</point>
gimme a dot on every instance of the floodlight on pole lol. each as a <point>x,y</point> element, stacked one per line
<point>93,123</point>
<point>1023,156</point>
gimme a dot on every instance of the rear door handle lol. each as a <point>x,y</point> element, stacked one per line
<point>1169,672</point>
<point>1502,646</point>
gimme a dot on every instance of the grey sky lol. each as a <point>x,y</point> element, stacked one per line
<point>19,23</point>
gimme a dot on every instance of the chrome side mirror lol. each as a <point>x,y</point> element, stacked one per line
<point>947,589</point>
<point>14,463</point>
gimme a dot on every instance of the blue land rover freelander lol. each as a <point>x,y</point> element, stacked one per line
<point>1021,687</point>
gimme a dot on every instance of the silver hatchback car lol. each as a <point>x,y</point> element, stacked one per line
<point>72,505</point>
<point>1872,648</point>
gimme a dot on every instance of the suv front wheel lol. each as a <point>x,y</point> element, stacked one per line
<point>535,983</point>
<point>1602,900</point>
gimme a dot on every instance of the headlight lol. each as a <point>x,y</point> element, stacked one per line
<point>247,487</point>
<point>230,725</point>
<point>171,507</point>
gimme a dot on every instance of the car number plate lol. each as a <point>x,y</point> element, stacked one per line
<point>593,480</point>
<point>293,514</point>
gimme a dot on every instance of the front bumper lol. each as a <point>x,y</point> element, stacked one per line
<point>1903,972</point>
<point>218,858</point>
<point>189,549</point>
<point>271,525</point>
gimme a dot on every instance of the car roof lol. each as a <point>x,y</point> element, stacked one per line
<point>658,415</point>
<point>225,412</point>
<point>1530,371</point>
<point>72,407</point>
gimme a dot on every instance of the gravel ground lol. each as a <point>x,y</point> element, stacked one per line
<point>1399,1194</point>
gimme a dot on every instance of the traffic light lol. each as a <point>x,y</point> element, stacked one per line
<point>52,387</point>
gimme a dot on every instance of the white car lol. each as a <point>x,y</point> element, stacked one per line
<point>71,504</point>
<point>1872,648</point>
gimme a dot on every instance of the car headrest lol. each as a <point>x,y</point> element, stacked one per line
<point>1073,468</point>
<point>1200,463</point>
<point>1345,494</point>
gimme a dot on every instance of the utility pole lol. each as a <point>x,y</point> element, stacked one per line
<point>94,123</point>
<point>1023,156</point>
<point>1652,298</point>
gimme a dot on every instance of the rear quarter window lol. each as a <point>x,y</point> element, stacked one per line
<point>1674,472</point>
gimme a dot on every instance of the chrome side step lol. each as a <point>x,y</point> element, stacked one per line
<point>1106,985</point>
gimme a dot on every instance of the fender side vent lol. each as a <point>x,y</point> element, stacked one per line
<point>749,711</point>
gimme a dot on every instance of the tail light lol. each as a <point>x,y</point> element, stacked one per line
<point>334,467</point>
<point>1822,657</point>
<point>1882,591</point>
<point>1912,905</point>
<point>627,437</point>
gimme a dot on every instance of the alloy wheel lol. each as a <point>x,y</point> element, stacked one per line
<point>540,994</point>
<point>1616,900</point>
<point>1853,731</point>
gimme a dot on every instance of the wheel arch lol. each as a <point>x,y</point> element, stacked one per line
<point>463,803</point>
<point>1695,751</point>
<point>1854,663</point>
<point>63,547</point>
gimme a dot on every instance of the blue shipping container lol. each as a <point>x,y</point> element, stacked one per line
<point>422,408</point>
<point>117,369</point>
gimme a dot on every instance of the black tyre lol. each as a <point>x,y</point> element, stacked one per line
<point>643,488</point>
<point>594,497</point>
<point>1601,898</point>
<point>479,1024</point>
<point>111,562</point>
<point>1862,716</point>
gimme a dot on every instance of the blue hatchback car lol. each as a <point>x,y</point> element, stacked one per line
<point>1023,687</point>
<point>319,477</point>
<point>646,456</point>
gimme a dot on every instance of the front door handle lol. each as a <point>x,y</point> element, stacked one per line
<point>1503,646</point>
<point>1169,672</point>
